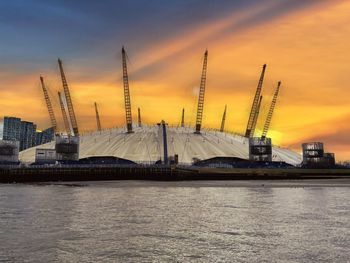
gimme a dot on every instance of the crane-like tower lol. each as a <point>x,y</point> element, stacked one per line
<point>256,116</point>
<point>269,115</point>
<point>222,127</point>
<point>254,109</point>
<point>68,100</point>
<point>127,101</point>
<point>139,117</point>
<point>64,115</point>
<point>201,94</point>
<point>183,118</point>
<point>98,122</point>
<point>49,105</point>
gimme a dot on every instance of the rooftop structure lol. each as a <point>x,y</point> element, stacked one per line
<point>127,100</point>
<point>98,121</point>
<point>72,117</point>
<point>254,112</point>
<point>200,106</point>
<point>49,105</point>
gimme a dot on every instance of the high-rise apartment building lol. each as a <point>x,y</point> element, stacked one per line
<point>44,136</point>
<point>25,133</point>
<point>12,129</point>
<point>28,131</point>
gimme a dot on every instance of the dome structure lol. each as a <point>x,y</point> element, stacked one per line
<point>145,145</point>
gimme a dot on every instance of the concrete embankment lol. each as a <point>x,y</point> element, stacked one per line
<point>161,173</point>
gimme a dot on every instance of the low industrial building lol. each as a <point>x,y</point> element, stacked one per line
<point>9,151</point>
<point>45,156</point>
<point>315,157</point>
<point>67,148</point>
<point>260,149</point>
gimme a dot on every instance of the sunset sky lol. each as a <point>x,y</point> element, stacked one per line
<point>305,44</point>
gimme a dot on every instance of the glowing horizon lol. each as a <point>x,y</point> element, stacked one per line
<point>303,45</point>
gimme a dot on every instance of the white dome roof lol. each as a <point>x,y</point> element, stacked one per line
<point>145,145</point>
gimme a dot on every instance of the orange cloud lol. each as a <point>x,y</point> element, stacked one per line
<point>307,50</point>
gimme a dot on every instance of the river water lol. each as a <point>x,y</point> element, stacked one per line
<point>134,221</point>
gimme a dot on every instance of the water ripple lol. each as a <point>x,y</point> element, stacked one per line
<point>148,222</point>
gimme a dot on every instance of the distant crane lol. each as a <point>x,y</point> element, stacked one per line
<point>256,116</point>
<point>127,101</point>
<point>254,110</point>
<point>68,100</point>
<point>64,115</point>
<point>223,120</point>
<point>98,122</point>
<point>201,94</point>
<point>139,117</point>
<point>269,115</point>
<point>49,106</point>
<point>183,118</point>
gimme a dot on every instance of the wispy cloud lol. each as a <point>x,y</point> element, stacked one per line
<point>304,44</point>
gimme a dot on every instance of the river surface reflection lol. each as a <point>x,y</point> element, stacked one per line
<point>174,222</point>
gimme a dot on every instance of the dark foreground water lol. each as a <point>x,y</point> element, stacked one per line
<point>175,222</point>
